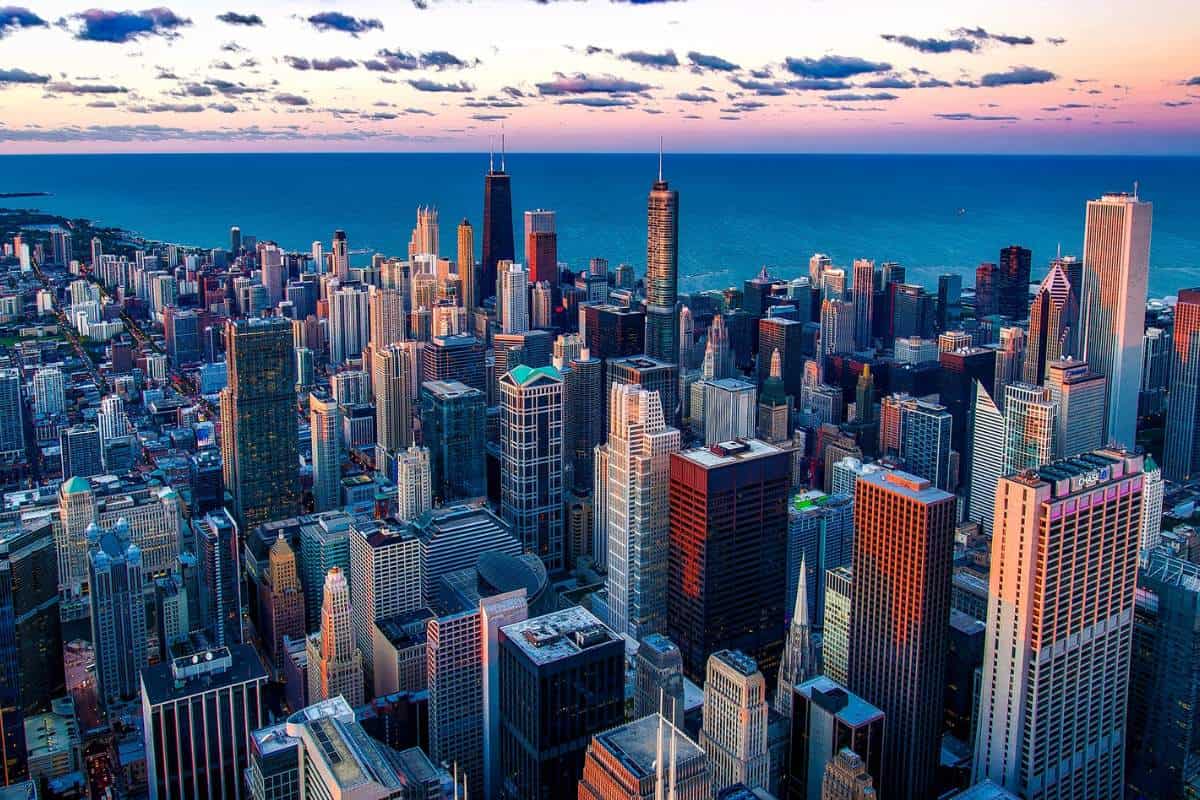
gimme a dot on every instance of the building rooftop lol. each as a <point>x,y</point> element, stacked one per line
<point>449,389</point>
<point>523,374</point>
<point>987,790</point>
<point>202,672</point>
<point>723,453</point>
<point>633,744</point>
<point>907,485</point>
<point>741,662</point>
<point>830,695</point>
<point>965,623</point>
<point>558,635</point>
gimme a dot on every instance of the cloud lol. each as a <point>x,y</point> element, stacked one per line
<point>597,102</point>
<point>705,61</point>
<point>489,117</point>
<point>1056,40</point>
<point>968,117</point>
<point>319,64</point>
<point>857,97</point>
<point>834,66</point>
<point>62,87</point>
<point>692,97</point>
<point>160,133</point>
<point>1017,76</point>
<point>816,84</point>
<point>21,76</point>
<point>1192,81</point>
<point>224,108</point>
<point>118,27</point>
<point>587,84</point>
<point>1176,103</point>
<point>173,108</point>
<point>440,59</point>
<point>1003,38</point>
<point>231,87</point>
<point>891,82</point>
<point>933,83</point>
<point>15,17</point>
<point>932,45</point>
<point>665,60</point>
<point>402,61</point>
<point>102,104</point>
<point>426,85</point>
<point>234,18</point>
<point>289,99</point>
<point>337,21</point>
<point>762,88</point>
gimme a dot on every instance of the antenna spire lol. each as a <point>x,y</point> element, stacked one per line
<point>491,154</point>
<point>502,147</point>
<point>660,152</point>
<point>1135,190</point>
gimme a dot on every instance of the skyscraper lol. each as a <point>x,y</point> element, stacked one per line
<point>385,579</point>
<point>987,287</point>
<point>80,451</point>
<point>48,396</point>
<point>394,382</point>
<point>334,664</point>
<point>846,778</point>
<point>864,297</point>
<point>217,545</point>
<point>283,601</point>
<point>1010,359</point>
<point>453,423</point>
<point>562,682</point>
<point>468,272</point>
<point>925,429</point>
<point>1116,258</point>
<point>340,255</point>
<point>1030,424</point>
<point>662,269</point>
<point>118,612</point>
<point>725,584</point>
<point>1181,447</point>
<point>12,416</point>
<point>1052,319</point>
<point>827,721</point>
<point>639,450</point>
<point>386,308</point>
<point>497,226</point>
<point>325,424</point>
<point>531,441</point>
<point>735,721</point>
<point>837,327</point>
<point>646,758</point>
<point>1013,295</point>
<point>658,679</point>
<point>987,457</point>
<point>799,660</point>
<point>903,546</point>
<point>414,489</point>
<point>730,409</point>
<point>349,322</point>
<point>259,438</point>
<point>514,297</point>
<point>1060,619</point>
<point>541,246</point>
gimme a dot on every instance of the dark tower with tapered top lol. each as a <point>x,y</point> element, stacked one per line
<point>497,224</point>
<point>662,269</point>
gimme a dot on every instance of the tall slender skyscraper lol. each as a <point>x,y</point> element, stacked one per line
<point>497,225</point>
<point>467,270</point>
<point>514,298</point>
<point>735,721</point>
<point>325,424</point>
<point>638,462</point>
<point>1116,264</point>
<point>1013,296</point>
<point>259,437</point>
<point>1010,359</point>
<point>349,322</point>
<point>1181,450</point>
<point>1060,620</point>
<point>1052,316</point>
<point>863,292</point>
<point>903,546</point>
<point>340,255</point>
<point>662,269</point>
<point>334,664</point>
<point>395,374</point>
<point>118,611</point>
<point>541,246</point>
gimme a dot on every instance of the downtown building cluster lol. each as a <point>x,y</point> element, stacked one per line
<point>439,524</point>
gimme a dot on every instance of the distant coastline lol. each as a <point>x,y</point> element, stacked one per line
<point>10,195</point>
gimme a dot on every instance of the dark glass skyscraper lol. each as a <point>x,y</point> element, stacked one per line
<point>497,226</point>
<point>259,437</point>
<point>1013,297</point>
<point>453,419</point>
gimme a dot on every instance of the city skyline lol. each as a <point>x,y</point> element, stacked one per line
<point>596,76</point>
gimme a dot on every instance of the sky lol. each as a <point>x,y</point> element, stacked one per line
<point>1024,76</point>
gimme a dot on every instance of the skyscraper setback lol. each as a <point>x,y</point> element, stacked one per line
<point>662,269</point>
<point>497,225</point>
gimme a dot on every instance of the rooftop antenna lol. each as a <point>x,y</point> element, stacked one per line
<point>658,751</point>
<point>671,780</point>
<point>660,151</point>
<point>1058,257</point>
<point>1135,190</point>
<point>491,153</point>
<point>455,780</point>
<point>502,147</point>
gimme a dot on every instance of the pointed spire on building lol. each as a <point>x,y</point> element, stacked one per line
<point>797,664</point>
<point>660,159</point>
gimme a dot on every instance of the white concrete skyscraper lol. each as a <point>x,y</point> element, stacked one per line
<point>395,375</point>
<point>1079,393</point>
<point>334,664</point>
<point>735,721</point>
<point>638,463</point>
<point>837,326</point>
<point>514,298</point>
<point>414,488</point>
<point>1060,622</point>
<point>1116,264</point>
<point>349,322</point>
<point>325,424</point>
<point>48,396</point>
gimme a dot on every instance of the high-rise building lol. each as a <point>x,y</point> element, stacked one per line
<point>987,288</point>
<point>197,715</point>
<point>863,293</point>
<point>658,679</point>
<point>644,759</point>
<point>1013,296</point>
<point>82,455</point>
<point>541,246</point>
<point>1161,731</point>
<point>325,425</point>
<point>837,327</point>
<point>324,544</point>
<point>730,410</point>
<point>1116,258</point>
<point>340,256</point>
<point>774,406</point>
<point>335,665</point>
<point>394,383</point>
<point>1079,393</point>
<point>820,537</point>
<point>662,270</point>
<point>454,358</point>
<point>219,554</point>
<point>531,440</point>
<point>1060,622</point>
<point>583,428</point>
<point>735,721</point>
<point>846,778</point>
<point>1030,424</point>
<point>949,301</point>
<point>1152,504</point>
<point>835,641</point>
<point>349,322</point>
<point>725,584</point>
<point>903,547</point>
<point>497,226</point>
<point>613,331</point>
<point>787,337</point>
<point>562,682</point>
<point>425,237</point>
<point>386,323</point>
<point>827,720</point>
<point>799,660</point>
<point>1156,369</point>
<point>925,430</point>
<point>468,272</point>
<point>1052,319</point>
<point>453,423</point>
<point>414,487</point>
<point>259,436</point>
<point>1010,359</point>
<point>49,398</point>
<point>1181,446</point>
<point>283,602</point>
<point>513,300</point>
<point>639,449</point>
<point>118,612</point>
<point>385,580</point>
<point>988,438</point>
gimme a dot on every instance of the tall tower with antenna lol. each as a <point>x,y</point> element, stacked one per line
<point>662,268</point>
<point>497,223</point>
